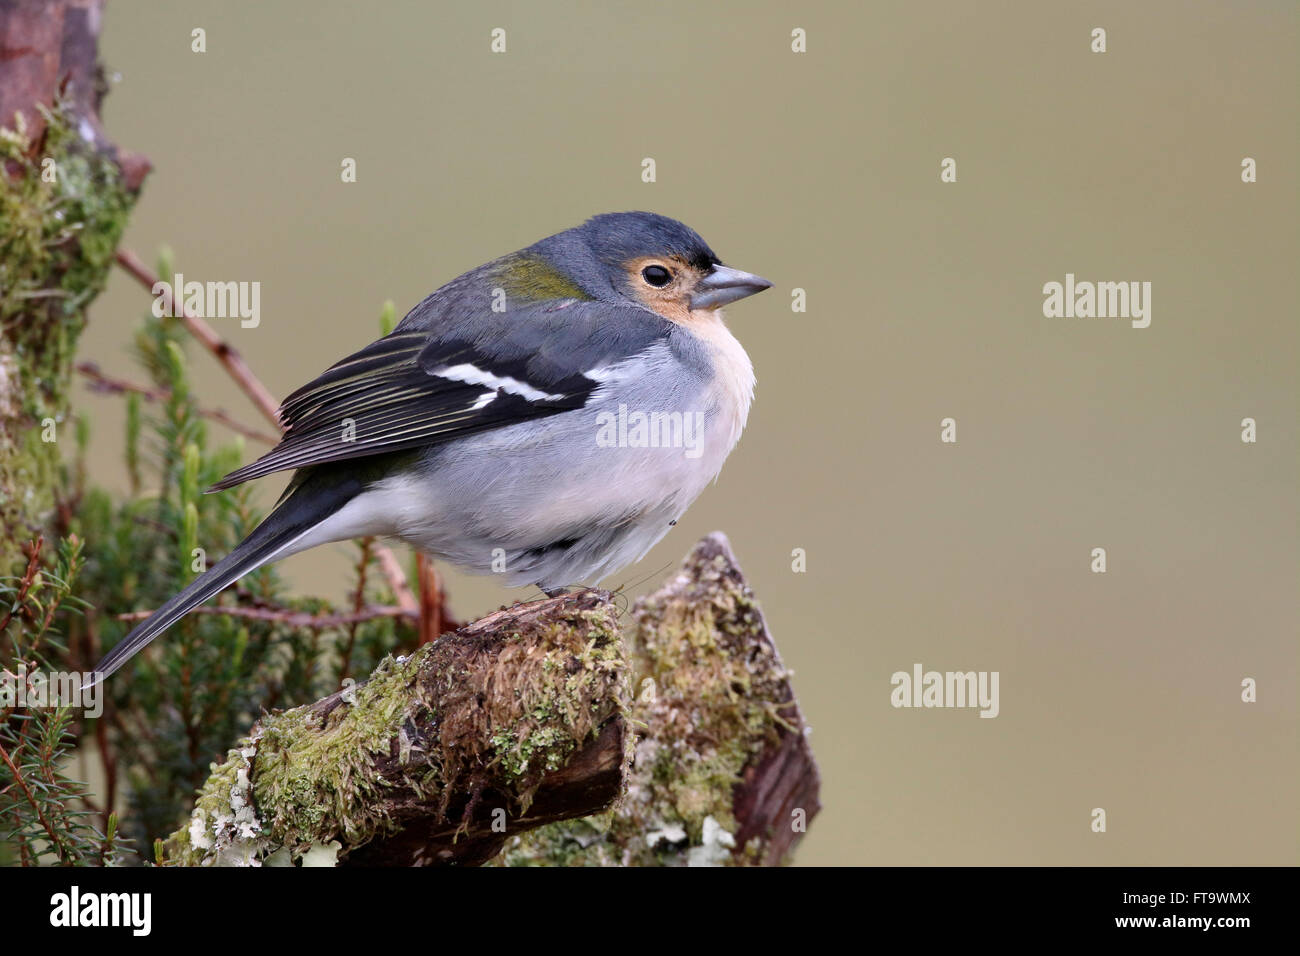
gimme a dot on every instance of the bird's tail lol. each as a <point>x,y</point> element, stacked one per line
<point>296,516</point>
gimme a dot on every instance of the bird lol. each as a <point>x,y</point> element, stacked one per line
<point>547,416</point>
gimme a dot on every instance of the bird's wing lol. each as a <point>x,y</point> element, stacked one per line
<point>415,388</point>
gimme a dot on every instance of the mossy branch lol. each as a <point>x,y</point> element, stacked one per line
<point>519,733</point>
<point>507,724</point>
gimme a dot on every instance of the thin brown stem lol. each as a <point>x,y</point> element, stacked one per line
<point>293,618</point>
<point>223,351</point>
<point>117,386</point>
<point>110,768</point>
<point>358,603</point>
<point>430,600</point>
<point>392,569</point>
<point>31,799</point>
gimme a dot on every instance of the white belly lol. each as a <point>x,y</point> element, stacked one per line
<point>609,478</point>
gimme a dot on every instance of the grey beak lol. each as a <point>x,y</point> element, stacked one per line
<point>724,284</point>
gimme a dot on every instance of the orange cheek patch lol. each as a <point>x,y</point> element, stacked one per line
<point>673,301</point>
<point>674,310</point>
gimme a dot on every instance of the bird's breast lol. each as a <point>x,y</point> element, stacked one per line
<point>732,384</point>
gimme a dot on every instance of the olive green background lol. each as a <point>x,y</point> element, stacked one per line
<point>821,171</point>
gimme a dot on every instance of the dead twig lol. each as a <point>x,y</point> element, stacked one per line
<point>402,593</point>
<point>223,351</point>
<point>358,604</point>
<point>430,600</point>
<point>99,382</point>
<point>294,618</point>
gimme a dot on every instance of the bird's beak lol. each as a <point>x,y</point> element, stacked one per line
<point>724,284</point>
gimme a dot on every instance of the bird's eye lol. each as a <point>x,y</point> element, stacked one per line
<point>657,276</point>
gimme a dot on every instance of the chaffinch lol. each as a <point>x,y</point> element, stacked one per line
<point>547,416</point>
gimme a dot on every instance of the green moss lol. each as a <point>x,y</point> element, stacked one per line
<point>315,775</point>
<point>707,704</point>
<point>551,687</point>
<point>581,842</point>
<point>57,240</point>
<point>311,776</point>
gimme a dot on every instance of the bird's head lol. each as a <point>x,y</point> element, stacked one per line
<point>654,261</point>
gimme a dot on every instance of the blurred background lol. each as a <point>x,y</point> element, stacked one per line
<point>821,171</point>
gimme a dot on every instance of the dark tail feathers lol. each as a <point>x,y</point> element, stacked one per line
<point>309,504</point>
